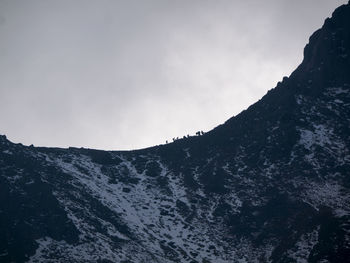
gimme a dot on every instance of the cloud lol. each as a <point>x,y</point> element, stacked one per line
<point>131,74</point>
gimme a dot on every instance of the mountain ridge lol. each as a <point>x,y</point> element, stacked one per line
<point>269,185</point>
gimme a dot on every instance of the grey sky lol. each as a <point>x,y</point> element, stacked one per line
<point>130,74</point>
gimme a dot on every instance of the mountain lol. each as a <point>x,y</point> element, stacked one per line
<point>270,185</point>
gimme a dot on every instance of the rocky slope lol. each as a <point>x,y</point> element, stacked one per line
<point>269,185</point>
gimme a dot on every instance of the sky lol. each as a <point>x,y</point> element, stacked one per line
<point>122,75</point>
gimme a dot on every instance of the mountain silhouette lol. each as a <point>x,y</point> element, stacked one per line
<point>269,185</point>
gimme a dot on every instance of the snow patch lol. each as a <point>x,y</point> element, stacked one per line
<point>301,252</point>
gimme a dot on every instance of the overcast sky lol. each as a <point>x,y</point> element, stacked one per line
<point>131,74</point>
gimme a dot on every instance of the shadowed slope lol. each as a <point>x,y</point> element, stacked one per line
<point>269,185</point>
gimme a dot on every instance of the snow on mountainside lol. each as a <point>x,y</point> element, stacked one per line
<point>269,185</point>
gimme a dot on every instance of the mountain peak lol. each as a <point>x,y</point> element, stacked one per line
<point>328,50</point>
<point>270,185</point>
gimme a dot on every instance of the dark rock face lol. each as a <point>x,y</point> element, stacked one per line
<point>270,185</point>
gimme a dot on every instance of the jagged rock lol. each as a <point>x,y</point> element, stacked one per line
<point>269,185</point>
